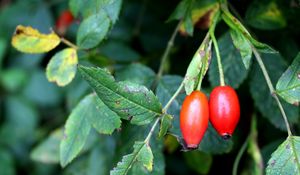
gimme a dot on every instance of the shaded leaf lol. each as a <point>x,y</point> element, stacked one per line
<point>101,117</point>
<point>198,66</point>
<point>234,70</point>
<point>263,99</point>
<point>286,158</point>
<point>265,15</point>
<point>3,46</point>
<point>142,153</point>
<point>243,45</point>
<point>165,124</point>
<point>29,40</point>
<point>196,158</point>
<point>48,150</point>
<point>13,79</point>
<point>93,30</point>
<point>7,166</point>
<point>130,101</point>
<point>77,129</point>
<point>288,86</point>
<point>62,67</point>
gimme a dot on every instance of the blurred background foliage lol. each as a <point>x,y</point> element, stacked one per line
<point>33,110</point>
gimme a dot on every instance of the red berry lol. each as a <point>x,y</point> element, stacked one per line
<point>224,109</point>
<point>194,116</point>
<point>64,21</point>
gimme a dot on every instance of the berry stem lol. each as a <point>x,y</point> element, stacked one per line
<point>215,43</point>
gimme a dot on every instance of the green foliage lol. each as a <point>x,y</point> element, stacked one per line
<point>263,99</point>
<point>286,157</point>
<point>234,70</point>
<point>166,123</point>
<point>130,101</point>
<point>196,158</point>
<point>6,162</point>
<point>288,86</point>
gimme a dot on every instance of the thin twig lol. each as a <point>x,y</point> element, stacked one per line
<point>69,43</point>
<point>239,155</point>
<point>165,109</point>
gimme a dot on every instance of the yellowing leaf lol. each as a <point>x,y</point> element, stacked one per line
<point>62,67</point>
<point>29,40</point>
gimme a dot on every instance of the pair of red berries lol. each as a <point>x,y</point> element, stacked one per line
<point>223,111</point>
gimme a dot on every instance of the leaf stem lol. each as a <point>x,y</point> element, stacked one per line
<point>152,130</point>
<point>166,53</point>
<point>165,109</point>
<point>214,40</point>
<point>271,88</point>
<point>69,43</point>
<point>239,155</point>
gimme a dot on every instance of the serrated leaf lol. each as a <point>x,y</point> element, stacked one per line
<point>243,45</point>
<point>288,86</point>
<point>136,73</point>
<point>48,150</point>
<point>198,66</point>
<point>77,129</point>
<point>130,101</point>
<point>286,158</point>
<point>166,87</point>
<point>236,25</point>
<point>93,30</point>
<point>265,15</point>
<point>102,118</point>
<point>260,92</point>
<point>29,40</point>
<point>142,153</point>
<point>165,124</point>
<point>62,67</point>
<point>234,70</point>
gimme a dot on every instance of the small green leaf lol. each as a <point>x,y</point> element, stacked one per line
<point>286,158</point>
<point>130,101</point>
<point>243,45</point>
<point>265,15</point>
<point>29,40</point>
<point>141,153</point>
<point>13,79</point>
<point>102,118</point>
<point>236,25</point>
<point>48,150</point>
<point>62,67</point>
<point>136,73</point>
<point>288,86</point>
<point>234,70</point>
<point>196,158</point>
<point>93,30</point>
<point>260,92</point>
<point>198,66</point>
<point>166,123</point>
<point>77,129</point>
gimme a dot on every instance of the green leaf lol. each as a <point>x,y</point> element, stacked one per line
<point>166,123</point>
<point>93,30</point>
<point>263,100</point>
<point>101,117</point>
<point>130,101</point>
<point>136,73</point>
<point>198,66</point>
<point>243,45</point>
<point>29,40</point>
<point>62,67</point>
<point>166,87</point>
<point>234,70</point>
<point>196,158</point>
<point>265,15</point>
<point>286,158</point>
<point>141,153</point>
<point>288,86</point>
<point>212,143</point>
<point>119,51</point>
<point>48,150</point>
<point>3,46</point>
<point>236,25</point>
<point>77,129</point>
<point>13,79</point>
<point>7,166</point>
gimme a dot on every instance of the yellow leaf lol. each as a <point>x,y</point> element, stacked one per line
<point>29,40</point>
<point>62,67</point>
